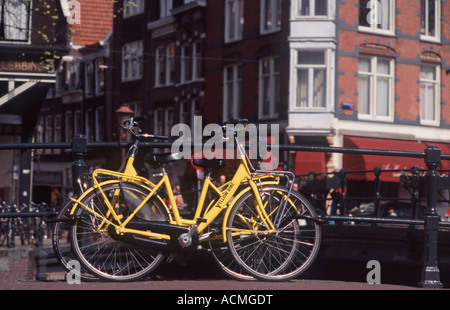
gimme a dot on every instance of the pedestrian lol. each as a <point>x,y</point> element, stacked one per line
<point>178,196</point>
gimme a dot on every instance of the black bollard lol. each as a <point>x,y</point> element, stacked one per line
<point>430,272</point>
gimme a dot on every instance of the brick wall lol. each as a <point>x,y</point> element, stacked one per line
<point>17,264</point>
<point>409,52</point>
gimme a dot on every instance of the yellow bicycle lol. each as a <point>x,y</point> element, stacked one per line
<point>255,225</point>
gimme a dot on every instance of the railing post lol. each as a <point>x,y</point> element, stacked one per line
<point>79,151</point>
<point>430,272</point>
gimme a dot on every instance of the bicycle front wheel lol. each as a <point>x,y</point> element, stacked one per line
<point>277,253</point>
<point>97,250</point>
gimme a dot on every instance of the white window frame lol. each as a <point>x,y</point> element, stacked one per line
<point>312,14</point>
<point>132,61</point>
<point>437,20</point>
<point>234,20</point>
<point>232,102</point>
<point>133,7</point>
<point>270,23</point>
<point>310,91</point>
<point>376,18</point>
<point>432,120</point>
<point>273,90</point>
<point>373,76</point>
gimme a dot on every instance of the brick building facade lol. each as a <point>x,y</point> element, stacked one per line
<point>383,69</point>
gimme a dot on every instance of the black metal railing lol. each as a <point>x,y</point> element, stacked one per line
<point>432,180</point>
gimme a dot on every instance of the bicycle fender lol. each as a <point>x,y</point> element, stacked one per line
<point>233,201</point>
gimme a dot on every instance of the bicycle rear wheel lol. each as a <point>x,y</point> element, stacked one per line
<point>277,254</point>
<point>225,260</point>
<point>95,247</point>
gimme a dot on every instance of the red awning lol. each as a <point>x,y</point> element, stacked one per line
<point>369,162</point>
<point>305,162</point>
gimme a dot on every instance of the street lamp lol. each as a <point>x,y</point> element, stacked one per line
<point>123,113</point>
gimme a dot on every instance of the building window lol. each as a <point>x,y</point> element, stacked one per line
<point>377,15</point>
<point>376,88</point>
<point>133,7</point>
<point>234,20</point>
<point>90,79</point>
<point>14,20</point>
<point>165,65</point>
<point>430,94</point>
<point>197,60</point>
<point>132,63</point>
<point>184,112</point>
<point>160,68</point>
<point>168,121</point>
<point>159,122</point>
<point>186,63</point>
<point>270,16</point>
<point>69,131</point>
<point>170,64</point>
<point>232,92</point>
<point>48,131</point>
<point>73,77</point>
<point>165,6</point>
<point>309,8</point>
<point>269,87</point>
<point>49,128</point>
<point>100,76</point>
<point>100,124</point>
<point>89,125</point>
<point>311,79</point>
<point>430,19</point>
<point>78,122</point>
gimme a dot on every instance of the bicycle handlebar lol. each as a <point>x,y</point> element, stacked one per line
<point>132,126</point>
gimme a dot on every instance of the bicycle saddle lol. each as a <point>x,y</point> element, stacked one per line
<point>159,160</point>
<point>208,163</point>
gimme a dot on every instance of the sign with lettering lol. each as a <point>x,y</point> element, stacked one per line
<point>24,66</point>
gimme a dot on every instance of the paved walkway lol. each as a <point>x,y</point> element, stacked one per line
<point>203,285</point>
